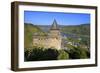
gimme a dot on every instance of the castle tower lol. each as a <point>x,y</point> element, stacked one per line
<point>55,35</point>
<point>54,30</point>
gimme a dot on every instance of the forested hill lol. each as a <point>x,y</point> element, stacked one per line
<point>83,29</point>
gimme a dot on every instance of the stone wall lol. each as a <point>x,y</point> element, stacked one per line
<point>51,42</point>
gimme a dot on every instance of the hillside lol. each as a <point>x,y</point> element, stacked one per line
<point>83,29</point>
<point>29,29</point>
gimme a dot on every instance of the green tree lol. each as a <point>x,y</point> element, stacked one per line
<point>78,53</point>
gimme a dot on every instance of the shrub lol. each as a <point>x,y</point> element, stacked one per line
<point>50,54</point>
<point>78,53</point>
<point>63,55</point>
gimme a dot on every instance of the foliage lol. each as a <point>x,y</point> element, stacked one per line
<point>63,55</point>
<point>41,54</point>
<point>85,41</point>
<point>38,54</point>
<point>78,53</point>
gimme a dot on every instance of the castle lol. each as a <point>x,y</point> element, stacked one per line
<point>51,40</point>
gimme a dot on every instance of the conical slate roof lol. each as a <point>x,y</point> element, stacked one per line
<point>54,25</point>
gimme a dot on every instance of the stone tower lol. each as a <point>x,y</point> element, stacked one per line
<point>54,32</point>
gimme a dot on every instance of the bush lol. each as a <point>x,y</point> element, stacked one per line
<point>34,54</point>
<point>78,53</point>
<point>63,55</point>
<point>50,54</point>
<point>38,54</point>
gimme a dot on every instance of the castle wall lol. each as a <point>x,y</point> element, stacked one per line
<point>51,42</point>
<point>55,43</point>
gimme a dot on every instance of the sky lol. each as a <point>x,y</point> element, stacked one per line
<point>47,18</point>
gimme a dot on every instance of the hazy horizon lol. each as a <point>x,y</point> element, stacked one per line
<point>58,24</point>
